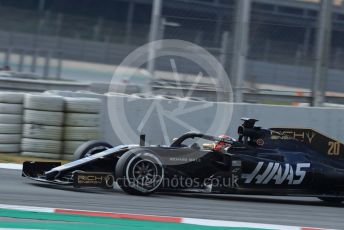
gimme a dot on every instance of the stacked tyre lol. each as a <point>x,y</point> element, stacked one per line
<point>81,123</point>
<point>11,119</point>
<point>42,129</point>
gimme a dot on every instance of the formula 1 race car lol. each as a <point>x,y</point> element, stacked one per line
<point>275,161</point>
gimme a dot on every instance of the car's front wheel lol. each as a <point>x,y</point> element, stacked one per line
<point>90,148</point>
<point>139,172</point>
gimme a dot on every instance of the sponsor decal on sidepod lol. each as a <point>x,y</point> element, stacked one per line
<point>277,173</point>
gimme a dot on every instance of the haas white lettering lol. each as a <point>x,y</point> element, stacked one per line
<point>278,173</point>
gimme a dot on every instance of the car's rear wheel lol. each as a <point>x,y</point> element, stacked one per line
<point>90,148</point>
<point>139,172</point>
<point>332,199</point>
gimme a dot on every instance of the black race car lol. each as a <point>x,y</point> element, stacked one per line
<point>275,161</point>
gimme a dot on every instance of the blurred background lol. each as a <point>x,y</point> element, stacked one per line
<point>288,52</point>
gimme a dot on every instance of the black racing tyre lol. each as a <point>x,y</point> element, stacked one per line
<point>333,200</point>
<point>90,148</point>
<point>139,172</point>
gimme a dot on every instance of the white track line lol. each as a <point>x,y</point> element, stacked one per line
<point>235,224</point>
<point>11,166</point>
<point>26,208</point>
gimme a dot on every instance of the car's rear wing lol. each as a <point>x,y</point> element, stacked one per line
<point>317,141</point>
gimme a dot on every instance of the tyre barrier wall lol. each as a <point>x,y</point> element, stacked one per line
<point>81,123</point>
<point>11,119</point>
<point>47,125</point>
<point>42,129</point>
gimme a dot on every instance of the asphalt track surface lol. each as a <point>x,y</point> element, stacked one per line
<point>309,212</point>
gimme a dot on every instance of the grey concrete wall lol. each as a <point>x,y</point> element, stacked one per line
<point>329,121</point>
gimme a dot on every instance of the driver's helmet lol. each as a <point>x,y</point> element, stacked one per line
<point>223,142</point>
